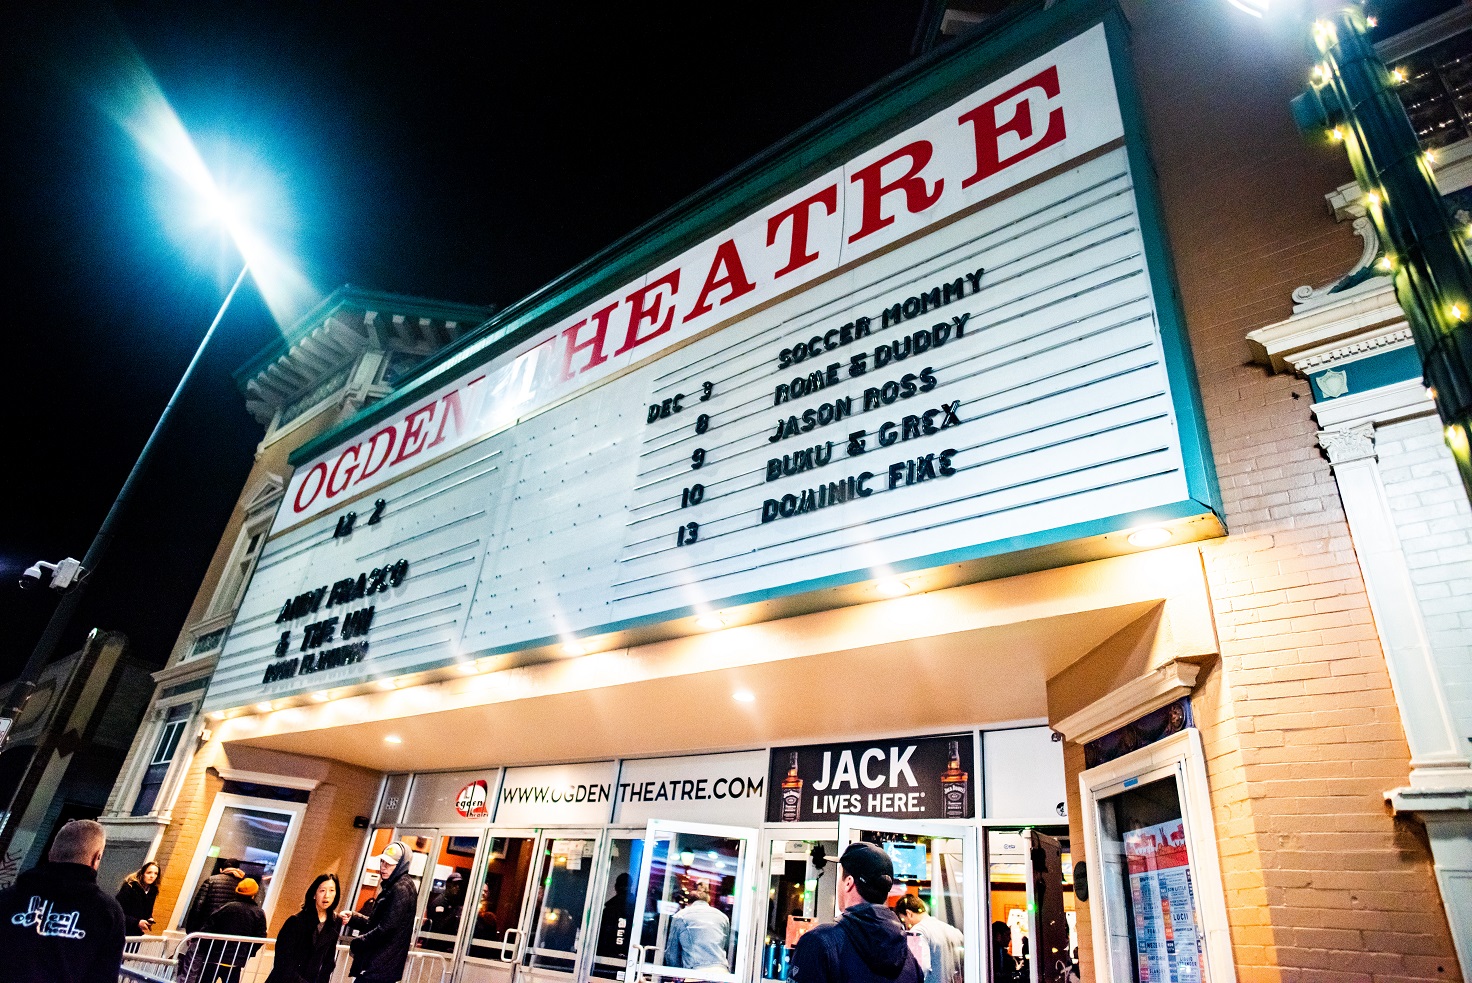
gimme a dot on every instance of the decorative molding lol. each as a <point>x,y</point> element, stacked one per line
<point>1130,702</point>
<point>187,670</point>
<point>1387,404</point>
<point>267,493</point>
<point>1347,444</point>
<point>1414,799</point>
<point>1361,321</point>
<point>267,778</point>
<point>1306,297</point>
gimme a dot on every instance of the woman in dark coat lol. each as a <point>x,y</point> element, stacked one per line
<point>306,949</point>
<point>137,895</point>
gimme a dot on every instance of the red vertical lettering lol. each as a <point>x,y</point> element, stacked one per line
<point>874,187</point>
<point>298,504</point>
<point>645,305</point>
<point>414,435</point>
<point>800,214</point>
<point>1024,138</point>
<point>449,406</point>
<point>333,488</point>
<point>369,468</point>
<point>572,346</point>
<point>727,263</point>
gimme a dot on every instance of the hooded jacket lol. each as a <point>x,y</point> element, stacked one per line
<point>380,952</point>
<point>58,926</point>
<point>866,945</point>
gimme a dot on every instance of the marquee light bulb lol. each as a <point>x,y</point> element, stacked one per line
<point>1372,21</point>
<point>1336,134</point>
<point>1374,199</point>
<point>392,739</point>
<point>264,707</point>
<point>1457,312</point>
<point>1386,263</point>
<point>1399,75</point>
<point>387,684</point>
<point>1430,158</point>
<point>322,697</point>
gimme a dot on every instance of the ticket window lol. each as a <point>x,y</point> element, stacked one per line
<point>693,905</point>
<point>801,895</point>
<point>615,919</point>
<point>448,886</point>
<point>938,864</point>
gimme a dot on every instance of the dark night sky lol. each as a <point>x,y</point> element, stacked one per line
<point>468,152</point>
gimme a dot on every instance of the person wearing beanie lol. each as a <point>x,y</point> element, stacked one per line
<point>867,944</point>
<point>242,916</point>
<point>380,952</point>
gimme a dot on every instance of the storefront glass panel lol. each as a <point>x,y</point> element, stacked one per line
<point>449,882</point>
<point>247,839</point>
<point>693,902</point>
<point>615,920</point>
<point>800,896</point>
<point>934,862</point>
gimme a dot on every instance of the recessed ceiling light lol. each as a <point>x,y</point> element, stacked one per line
<point>469,668</point>
<point>217,715</point>
<point>892,587</point>
<point>387,684</point>
<point>743,696</point>
<point>1146,538</point>
<point>392,739</point>
<point>264,707</point>
<point>322,696</point>
<point>575,648</point>
<point>711,621</point>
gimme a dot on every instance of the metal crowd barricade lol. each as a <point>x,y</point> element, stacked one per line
<point>243,959</point>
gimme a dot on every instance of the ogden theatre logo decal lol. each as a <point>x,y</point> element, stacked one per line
<point>470,803</point>
<point>1037,118</point>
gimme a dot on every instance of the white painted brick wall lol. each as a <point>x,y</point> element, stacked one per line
<point>1435,525</point>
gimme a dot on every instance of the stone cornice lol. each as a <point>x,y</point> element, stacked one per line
<point>1130,702</point>
<point>1387,404</point>
<point>1363,320</point>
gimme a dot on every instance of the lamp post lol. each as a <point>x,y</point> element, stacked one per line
<point>1352,100</point>
<point>67,606</point>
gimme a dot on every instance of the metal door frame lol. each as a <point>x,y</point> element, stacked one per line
<point>636,967</point>
<point>482,861</point>
<point>598,887</point>
<point>952,829</point>
<point>811,830</point>
<point>581,959</point>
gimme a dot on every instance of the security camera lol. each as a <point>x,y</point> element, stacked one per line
<point>32,577</point>
<point>63,574</point>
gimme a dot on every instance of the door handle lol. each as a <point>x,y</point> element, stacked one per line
<point>507,941</point>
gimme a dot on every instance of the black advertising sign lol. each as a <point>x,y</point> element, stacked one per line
<point>902,778</point>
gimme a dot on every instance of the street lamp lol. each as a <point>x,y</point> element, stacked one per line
<point>78,574</point>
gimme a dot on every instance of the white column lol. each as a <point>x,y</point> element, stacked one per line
<point>1437,759</point>
<point>1440,790</point>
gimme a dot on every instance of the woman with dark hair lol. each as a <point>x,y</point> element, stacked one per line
<point>137,895</point>
<point>306,949</point>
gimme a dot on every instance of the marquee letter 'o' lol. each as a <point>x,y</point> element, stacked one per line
<point>301,506</point>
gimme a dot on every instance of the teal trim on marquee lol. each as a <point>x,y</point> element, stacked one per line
<point>1371,372</point>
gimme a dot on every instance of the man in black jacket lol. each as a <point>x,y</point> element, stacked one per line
<point>216,959</point>
<point>380,952</point>
<point>217,890</point>
<point>56,925</point>
<point>867,943</point>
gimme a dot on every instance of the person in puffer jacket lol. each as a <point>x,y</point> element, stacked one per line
<point>867,944</point>
<point>380,952</point>
<point>56,924</point>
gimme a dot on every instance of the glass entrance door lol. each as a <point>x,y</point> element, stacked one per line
<point>559,917</point>
<point>496,906</point>
<point>937,864</point>
<point>446,889</point>
<point>800,895</point>
<point>693,905</point>
<point>615,925</point>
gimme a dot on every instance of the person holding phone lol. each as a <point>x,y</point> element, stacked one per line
<point>137,895</point>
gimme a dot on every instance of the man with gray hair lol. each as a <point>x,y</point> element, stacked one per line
<point>56,924</point>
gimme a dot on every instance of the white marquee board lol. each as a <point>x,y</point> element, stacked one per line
<point>1041,400</point>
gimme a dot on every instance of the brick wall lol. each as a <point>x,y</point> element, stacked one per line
<point>1434,521</point>
<point>1301,728</point>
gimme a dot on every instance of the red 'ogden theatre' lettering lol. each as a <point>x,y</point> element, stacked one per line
<point>1039,117</point>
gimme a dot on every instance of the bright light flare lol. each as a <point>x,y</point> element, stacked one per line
<point>1256,8</point>
<point>129,95</point>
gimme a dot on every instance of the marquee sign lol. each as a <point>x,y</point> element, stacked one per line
<point>949,347</point>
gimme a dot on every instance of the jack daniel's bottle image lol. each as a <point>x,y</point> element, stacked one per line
<point>792,792</point>
<point>952,786</point>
